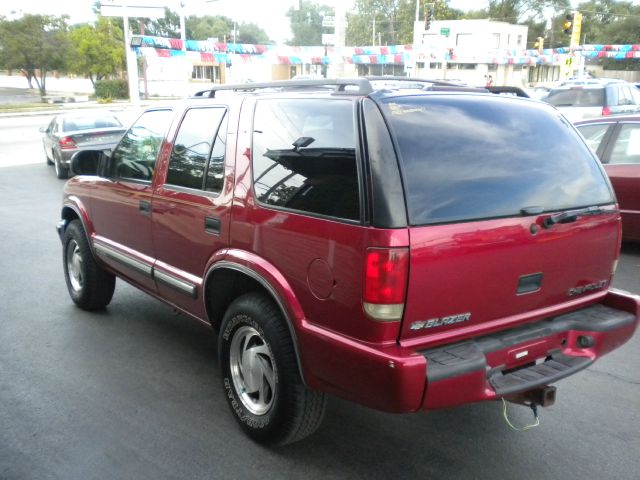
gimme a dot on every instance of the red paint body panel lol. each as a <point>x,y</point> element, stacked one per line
<point>476,268</point>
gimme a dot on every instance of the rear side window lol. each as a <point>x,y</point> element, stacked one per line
<point>195,141</point>
<point>576,97</point>
<point>304,156</point>
<point>474,157</point>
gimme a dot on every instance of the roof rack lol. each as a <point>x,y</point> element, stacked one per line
<point>391,78</point>
<point>363,86</point>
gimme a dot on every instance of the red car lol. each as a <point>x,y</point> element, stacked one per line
<point>616,140</point>
<point>405,248</point>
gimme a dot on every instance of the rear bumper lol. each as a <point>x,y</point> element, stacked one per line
<point>504,364</point>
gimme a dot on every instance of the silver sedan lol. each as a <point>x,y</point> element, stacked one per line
<point>70,132</point>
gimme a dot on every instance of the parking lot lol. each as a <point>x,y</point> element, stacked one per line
<point>134,392</point>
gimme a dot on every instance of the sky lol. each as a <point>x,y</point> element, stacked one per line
<point>268,14</point>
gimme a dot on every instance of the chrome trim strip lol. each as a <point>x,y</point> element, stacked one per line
<point>124,259</point>
<point>175,283</point>
<point>274,294</point>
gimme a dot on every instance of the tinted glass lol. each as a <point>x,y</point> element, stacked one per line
<point>304,156</point>
<point>626,149</point>
<point>135,156</point>
<point>192,147</point>
<point>473,157</point>
<point>215,172</point>
<point>593,134</point>
<point>576,97</point>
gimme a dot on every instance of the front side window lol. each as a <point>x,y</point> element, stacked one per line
<point>304,156</point>
<point>135,156</point>
<point>593,134</point>
<point>193,147</point>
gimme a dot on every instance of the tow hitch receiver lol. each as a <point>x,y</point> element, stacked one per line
<point>544,396</point>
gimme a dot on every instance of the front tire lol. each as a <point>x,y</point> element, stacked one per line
<point>260,374</point>
<point>89,285</point>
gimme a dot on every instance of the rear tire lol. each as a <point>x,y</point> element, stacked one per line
<point>260,374</point>
<point>49,161</point>
<point>90,286</point>
<point>62,172</point>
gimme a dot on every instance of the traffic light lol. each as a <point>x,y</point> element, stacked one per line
<point>539,44</point>
<point>428,15</point>
<point>567,26</point>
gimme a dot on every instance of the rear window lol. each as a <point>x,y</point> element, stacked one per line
<point>576,97</point>
<point>89,122</point>
<point>475,157</point>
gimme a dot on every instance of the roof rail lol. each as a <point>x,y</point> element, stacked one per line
<point>340,86</point>
<point>431,82</point>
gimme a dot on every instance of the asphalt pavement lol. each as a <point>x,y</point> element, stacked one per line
<point>134,392</point>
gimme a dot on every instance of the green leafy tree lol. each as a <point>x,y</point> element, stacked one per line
<point>306,23</point>
<point>384,22</point>
<point>98,50</point>
<point>393,20</point>
<point>251,33</point>
<point>203,28</point>
<point>36,45</point>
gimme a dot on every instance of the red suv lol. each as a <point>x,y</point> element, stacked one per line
<point>404,248</point>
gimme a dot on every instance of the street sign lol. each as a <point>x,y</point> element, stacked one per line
<point>329,21</point>
<point>135,9</point>
<point>576,31</point>
<point>445,31</point>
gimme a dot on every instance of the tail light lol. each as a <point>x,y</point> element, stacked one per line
<point>67,143</point>
<point>606,111</point>
<point>385,283</point>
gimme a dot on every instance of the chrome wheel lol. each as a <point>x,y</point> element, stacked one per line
<point>74,265</point>
<point>253,370</point>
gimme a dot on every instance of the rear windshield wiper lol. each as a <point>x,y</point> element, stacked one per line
<point>572,215</point>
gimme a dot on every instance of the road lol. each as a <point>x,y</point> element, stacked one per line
<point>134,392</point>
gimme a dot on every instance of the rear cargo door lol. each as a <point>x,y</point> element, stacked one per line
<point>511,215</point>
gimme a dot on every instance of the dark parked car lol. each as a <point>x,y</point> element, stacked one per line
<point>616,140</point>
<point>71,132</point>
<point>595,98</point>
<point>404,249</point>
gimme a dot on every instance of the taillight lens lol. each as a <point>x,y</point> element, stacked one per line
<point>385,283</point>
<point>67,143</point>
<point>606,111</point>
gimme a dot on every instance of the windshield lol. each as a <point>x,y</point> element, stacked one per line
<point>473,157</point>
<point>576,97</point>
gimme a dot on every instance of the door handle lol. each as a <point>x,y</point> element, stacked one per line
<point>145,207</point>
<point>212,225</point>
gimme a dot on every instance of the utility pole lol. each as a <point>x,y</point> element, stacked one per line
<point>132,63</point>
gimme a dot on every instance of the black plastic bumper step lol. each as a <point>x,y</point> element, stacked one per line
<point>555,368</point>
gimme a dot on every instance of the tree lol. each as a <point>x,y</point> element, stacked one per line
<point>98,50</point>
<point>306,23</point>
<point>35,45</point>
<point>252,34</point>
<point>383,22</point>
<point>203,28</point>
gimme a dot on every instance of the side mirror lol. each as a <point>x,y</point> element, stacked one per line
<point>42,129</point>
<point>87,162</point>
